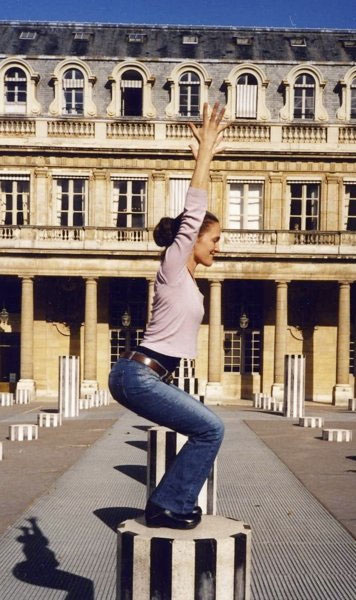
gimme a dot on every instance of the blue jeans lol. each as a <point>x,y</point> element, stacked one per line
<point>140,389</point>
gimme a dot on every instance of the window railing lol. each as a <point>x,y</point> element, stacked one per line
<point>233,240</point>
<point>103,131</point>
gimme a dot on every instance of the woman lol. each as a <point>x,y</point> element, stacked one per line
<point>140,379</point>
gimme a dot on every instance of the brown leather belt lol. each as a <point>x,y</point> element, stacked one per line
<point>164,375</point>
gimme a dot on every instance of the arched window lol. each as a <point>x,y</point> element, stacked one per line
<point>189,94</point>
<point>304,97</point>
<point>246,96</point>
<point>73,92</point>
<point>131,94</point>
<point>15,90</point>
<point>353,99</point>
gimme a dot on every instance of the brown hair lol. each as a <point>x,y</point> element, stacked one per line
<point>167,228</point>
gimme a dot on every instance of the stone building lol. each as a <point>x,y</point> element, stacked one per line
<point>95,149</point>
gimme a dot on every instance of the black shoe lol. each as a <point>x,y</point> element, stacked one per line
<point>156,516</point>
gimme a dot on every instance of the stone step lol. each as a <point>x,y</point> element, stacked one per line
<point>210,562</point>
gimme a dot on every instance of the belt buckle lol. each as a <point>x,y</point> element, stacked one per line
<point>167,377</point>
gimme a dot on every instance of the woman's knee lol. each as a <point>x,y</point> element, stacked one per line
<point>217,428</point>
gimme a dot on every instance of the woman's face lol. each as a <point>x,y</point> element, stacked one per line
<point>207,245</point>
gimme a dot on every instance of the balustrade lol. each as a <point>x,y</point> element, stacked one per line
<point>17,127</point>
<point>71,128</point>
<point>304,134</point>
<point>130,130</point>
<point>347,135</point>
<point>248,133</point>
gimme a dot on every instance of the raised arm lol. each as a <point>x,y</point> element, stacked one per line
<point>207,143</point>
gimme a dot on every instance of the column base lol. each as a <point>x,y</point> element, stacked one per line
<point>342,394</point>
<point>213,393</point>
<point>88,387</point>
<point>27,384</point>
<point>278,392</point>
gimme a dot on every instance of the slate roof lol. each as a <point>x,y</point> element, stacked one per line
<point>165,41</point>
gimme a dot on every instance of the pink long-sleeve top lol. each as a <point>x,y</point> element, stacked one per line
<point>177,309</point>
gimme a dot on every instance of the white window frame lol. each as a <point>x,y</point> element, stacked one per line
<point>302,86</point>
<point>262,112</point>
<point>58,200</point>
<point>347,199</point>
<point>246,97</point>
<point>173,108</point>
<point>287,112</point>
<point>25,195</point>
<point>56,107</point>
<point>75,88</point>
<point>246,217</point>
<point>348,90</point>
<point>236,361</point>
<point>15,106</point>
<point>33,107</point>
<point>126,84</point>
<point>115,79</point>
<point>190,85</point>
<point>304,199</point>
<point>129,212</point>
<point>118,341</point>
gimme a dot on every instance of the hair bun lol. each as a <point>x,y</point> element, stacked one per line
<point>165,231</point>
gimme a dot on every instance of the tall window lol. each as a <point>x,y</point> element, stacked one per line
<point>14,201</point>
<point>71,202</point>
<point>129,203</point>
<point>304,97</point>
<point>242,351</point>
<point>350,207</point>
<point>353,99</point>
<point>73,92</point>
<point>178,188</point>
<point>304,206</point>
<point>123,339</point>
<point>245,205</point>
<point>189,94</point>
<point>131,94</point>
<point>15,90</point>
<point>246,97</point>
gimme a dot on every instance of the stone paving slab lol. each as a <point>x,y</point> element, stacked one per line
<point>64,545</point>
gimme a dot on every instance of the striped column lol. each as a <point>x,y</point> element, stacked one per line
<point>49,419</point>
<point>163,446</point>
<point>25,431</point>
<point>69,386</point>
<point>294,385</point>
<point>311,422</point>
<point>210,562</point>
<point>23,395</point>
<point>352,403</point>
<point>6,399</point>
<point>337,435</point>
<point>184,378</point>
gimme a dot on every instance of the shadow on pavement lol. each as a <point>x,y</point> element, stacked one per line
<point>115,515</point>
<point>140,444</point>
<point>41,566</point>
<point>138,472</point>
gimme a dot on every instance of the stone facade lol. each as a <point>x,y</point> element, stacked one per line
<point>284,189</point>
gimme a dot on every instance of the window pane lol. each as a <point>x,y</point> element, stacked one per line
<point>296,207</point>
<point>138,221</point>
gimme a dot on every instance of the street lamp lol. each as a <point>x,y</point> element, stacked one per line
<point>4,317</point>
<point>126,322</point>
<point>244,321</point>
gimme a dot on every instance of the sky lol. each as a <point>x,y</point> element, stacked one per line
<point>331,14</point>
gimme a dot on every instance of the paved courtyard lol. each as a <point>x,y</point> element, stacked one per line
<point>63,496</point>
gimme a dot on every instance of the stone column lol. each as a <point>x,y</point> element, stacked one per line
<point>273,217</point>
<point>280,339</point>
<point>42,204</point>
<point>332,220</point>
<point>26,352</point>
<point>342,390</point>
<point>151,283</point>
<point>89,383</point>
<point>213,392</point>
<point>99,185</point>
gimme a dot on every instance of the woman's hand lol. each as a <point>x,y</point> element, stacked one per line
<point>208,138</point>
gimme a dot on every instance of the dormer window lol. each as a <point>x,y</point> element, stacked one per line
<point>243,41</point>
<point>81,35</point>
<point>15,90</point>
<point>73,92</point>
<point>28,35</point>
<point>190,39</point>
<point>299,41</point>
<point>304,97</point>
<point>137,38</point>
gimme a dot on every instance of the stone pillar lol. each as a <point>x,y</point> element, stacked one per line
<point>151,283</point>
<point>26,381</point>
<point>89,383</point>
<point>280,339</point>
<point>213,392</point>
<point>342,390</point>
<point>68,386</point>
<point>210,562</point>
<point>334,191</point>
<point>99,185</point>
<point>41,194</point>
<point>294,385</point>
<point>275,203</point>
